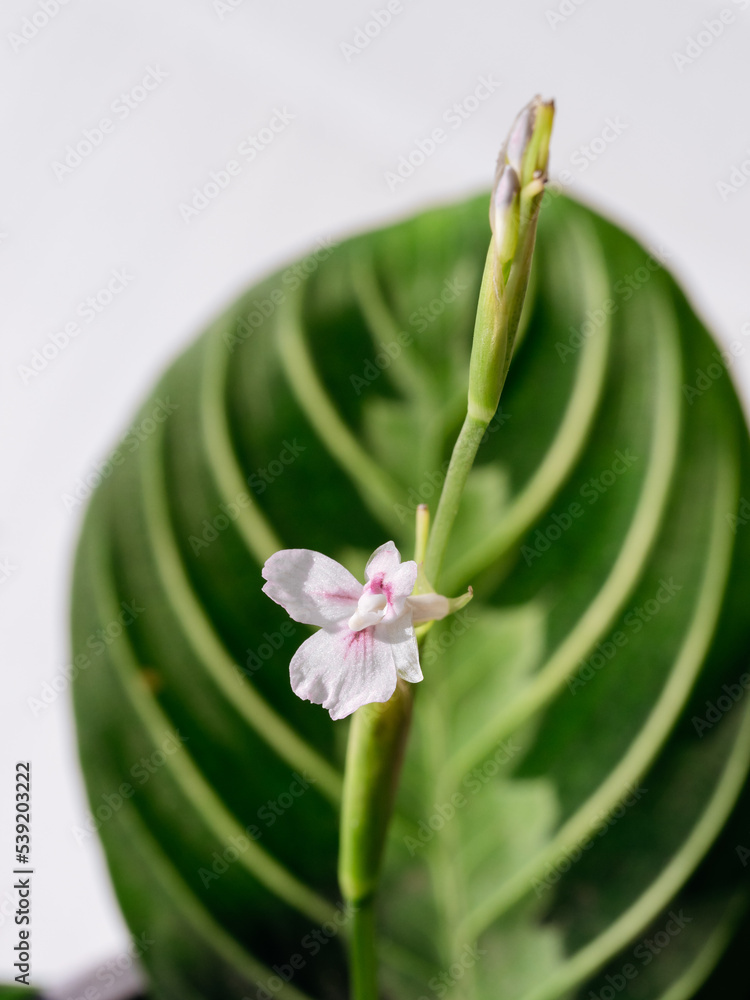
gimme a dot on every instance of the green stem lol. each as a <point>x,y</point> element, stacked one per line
<point>378,735</point>
<point>373,763</point>
<point>462,459</point>
<point>364,975</point>
<point>377,740</point>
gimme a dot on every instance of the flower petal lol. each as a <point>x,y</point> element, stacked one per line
<point>385,573</point>
<point>402,642</point>
<point>343,670</point>
<point>428,607</point>
<point>397,587</point>
<point>314,589</point>
<point>432,607</point>
<point>386,559</point>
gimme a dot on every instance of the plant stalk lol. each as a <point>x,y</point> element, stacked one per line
<point>364,975</point>
<point>378,734</point>
<point>375,751</point>
<point>462,459</point>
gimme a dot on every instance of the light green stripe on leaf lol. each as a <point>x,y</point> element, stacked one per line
<point>626,928</point>
<point>379,493</point>
<point>659,723</point>
<point>221,459</point>
<point>209,807</point>
<point>192,910</point>
<point>573,432</point>
<point>206,644</point>
<point>709,955</point>
<point>611,596</point>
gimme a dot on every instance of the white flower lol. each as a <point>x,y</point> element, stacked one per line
<point>366,639</point>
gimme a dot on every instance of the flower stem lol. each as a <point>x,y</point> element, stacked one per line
<point>364,966</point>
<point>378,733</point>
<point>462,459</point>
<point>373,763</point>
<point>377,740</point>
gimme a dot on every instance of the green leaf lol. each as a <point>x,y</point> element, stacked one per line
<point>581,740</point>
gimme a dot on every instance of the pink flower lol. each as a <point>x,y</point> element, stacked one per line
<point>366,639</point>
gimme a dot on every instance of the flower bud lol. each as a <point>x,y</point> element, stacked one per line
<point>514,208</point>
<point>505,214</point>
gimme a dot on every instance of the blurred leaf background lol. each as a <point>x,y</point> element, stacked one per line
<point>563,791</point>
<point>325,175</point>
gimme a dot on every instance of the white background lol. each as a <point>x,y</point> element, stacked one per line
<point>354,114</point>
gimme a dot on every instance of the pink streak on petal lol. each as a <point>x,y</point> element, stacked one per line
<point>400,586</point>
<point>342,670</point>
<point>399,636</point>
<point>311,587</point>
<point>385,559</point>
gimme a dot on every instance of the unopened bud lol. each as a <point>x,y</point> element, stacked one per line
<point>520,177</point>
<point>518,140</point>
<point>505,215</point>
